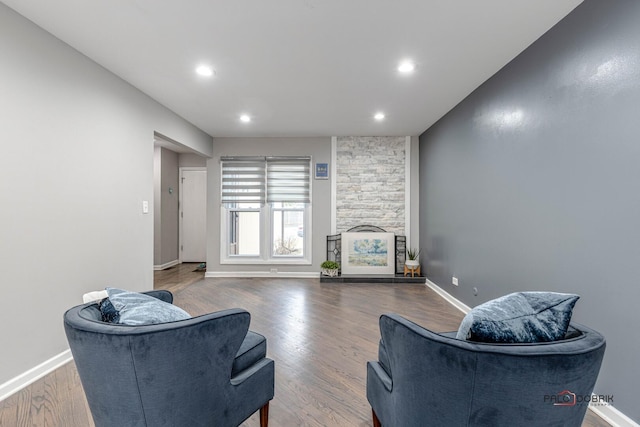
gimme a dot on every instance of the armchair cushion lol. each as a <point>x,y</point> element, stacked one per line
<point>521,317</point>
<point>252,349</point>
<point>132,308</point>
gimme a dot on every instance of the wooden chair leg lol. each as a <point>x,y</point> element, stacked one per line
<point>264,415</point>
<point>376,421</point>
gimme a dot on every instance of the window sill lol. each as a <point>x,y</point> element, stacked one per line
<point>260,261</point>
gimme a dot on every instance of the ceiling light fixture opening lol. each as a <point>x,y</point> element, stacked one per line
<point>205,71</point>
<point>245,118</point>
<point>379,116</point>
<point>406,67</point>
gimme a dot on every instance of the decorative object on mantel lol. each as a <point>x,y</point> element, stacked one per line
<point>412,264</point>
<point>330,268</point>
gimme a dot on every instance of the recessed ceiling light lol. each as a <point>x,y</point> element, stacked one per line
<point>204,70</point>
<point>379,116</point>
<point>245,118</point>
<point>406,67</point>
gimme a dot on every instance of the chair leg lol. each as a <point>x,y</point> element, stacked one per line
<point>376,421</point>
<point>264,415</point>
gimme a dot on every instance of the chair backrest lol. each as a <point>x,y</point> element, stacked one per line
<point>167,374</point>
<point>454,382</point>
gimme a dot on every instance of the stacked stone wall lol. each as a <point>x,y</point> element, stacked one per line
<point>370,183</point>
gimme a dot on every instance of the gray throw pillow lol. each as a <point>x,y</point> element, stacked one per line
<point>132,308</point>
<point>521,317</point>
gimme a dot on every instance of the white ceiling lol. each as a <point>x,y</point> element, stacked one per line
<point>301,67</point>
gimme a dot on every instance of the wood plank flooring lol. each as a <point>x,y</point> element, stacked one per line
<point>319,334</point>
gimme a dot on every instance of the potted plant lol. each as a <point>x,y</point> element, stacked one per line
<point>412,257</point>
<point>330,268</point>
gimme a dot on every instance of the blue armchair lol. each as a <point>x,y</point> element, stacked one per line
<point>424,378</point>
<point>208,370</point>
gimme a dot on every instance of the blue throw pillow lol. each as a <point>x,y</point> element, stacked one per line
<point>132,308</point>
<point>521,317</point>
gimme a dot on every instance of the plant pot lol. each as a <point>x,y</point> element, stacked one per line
<point>412,263</point>
<point>333,272</point>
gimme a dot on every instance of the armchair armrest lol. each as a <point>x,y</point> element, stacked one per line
<point>162,295</point>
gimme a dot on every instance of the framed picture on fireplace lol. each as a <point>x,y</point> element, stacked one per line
<point>368,253</point>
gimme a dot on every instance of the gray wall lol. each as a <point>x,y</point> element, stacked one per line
<point>532,183</point>
<point>320,151</point>
<point>71,218</point>
<point>169,188</point>
<point>191,160</point>
<point>157,206</point>
<point>166,206</point>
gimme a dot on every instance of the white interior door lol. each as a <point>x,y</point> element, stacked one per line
<point>193,215</point>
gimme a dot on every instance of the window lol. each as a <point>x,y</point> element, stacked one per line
<point>287,222</point>
<point>244,225</point>
<point>266,210</point>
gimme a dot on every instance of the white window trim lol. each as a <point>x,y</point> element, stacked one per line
<point>266,256</point>
<point>266,237</point>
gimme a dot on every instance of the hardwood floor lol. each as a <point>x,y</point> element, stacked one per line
<point>178,277</point>
<point>320,335</point>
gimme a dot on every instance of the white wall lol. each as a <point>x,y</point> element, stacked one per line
<point>413,236</point>
<point>76,164</point>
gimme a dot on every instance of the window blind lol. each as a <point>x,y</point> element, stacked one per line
<point>243,180</point>
<point>288,179</point>
<point>270,179</point>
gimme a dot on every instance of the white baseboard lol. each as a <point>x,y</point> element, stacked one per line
<point>21,381</point>
<point>612,416</point>
<point>608,413</point>
<point>448,297</point>
<point>283,274</point>
<point>166,265</point>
